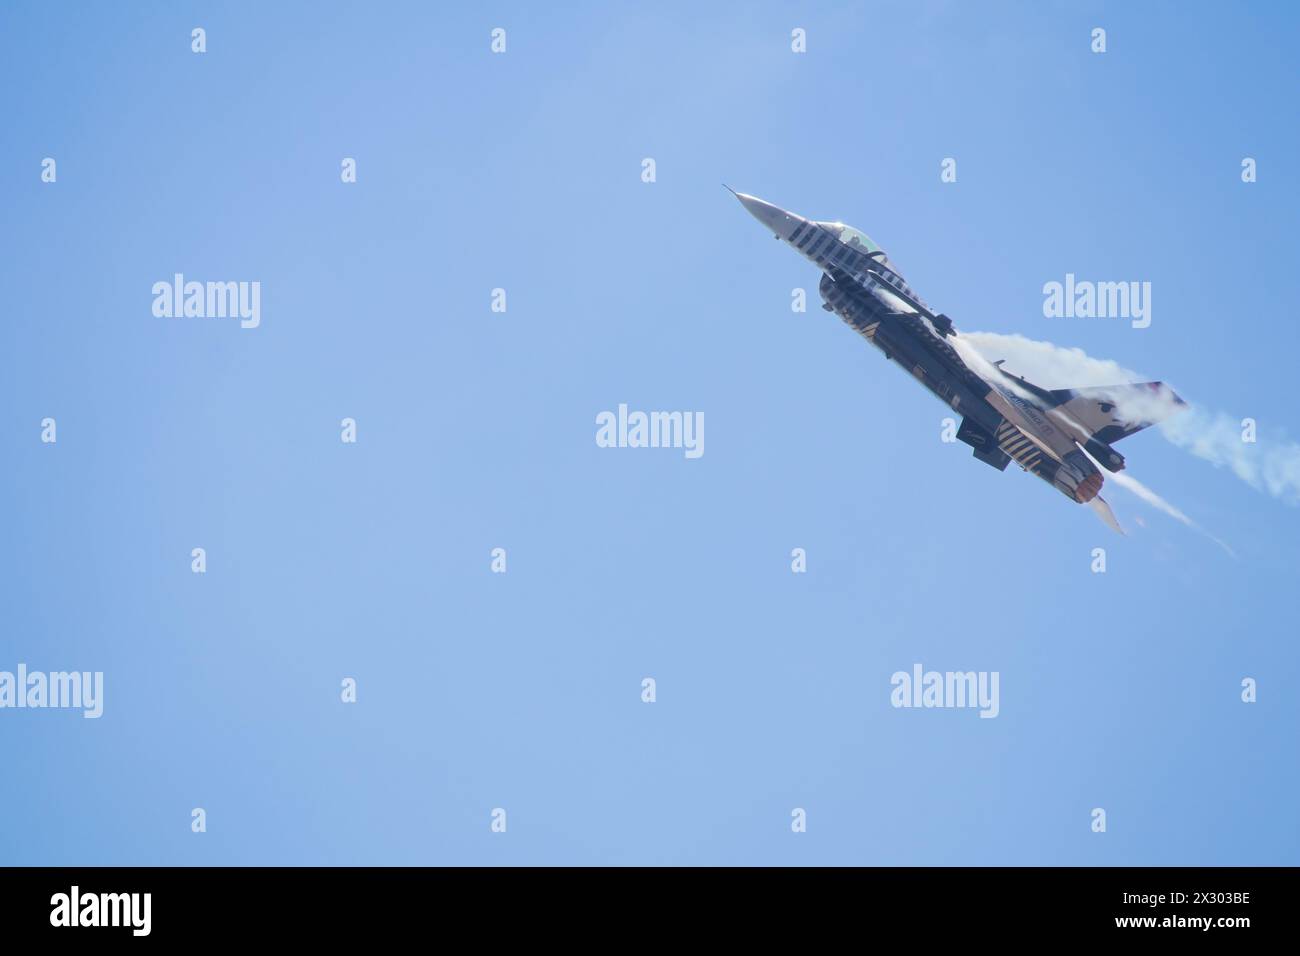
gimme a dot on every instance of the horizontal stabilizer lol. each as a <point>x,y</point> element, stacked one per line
<point>1100,506</point>
<point>1112,412</point>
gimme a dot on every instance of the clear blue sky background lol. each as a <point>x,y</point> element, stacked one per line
<point>476,430</point>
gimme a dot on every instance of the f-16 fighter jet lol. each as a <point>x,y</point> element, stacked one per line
<point>1060,435</point>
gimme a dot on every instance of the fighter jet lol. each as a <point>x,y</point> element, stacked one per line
<point>1060,435</point>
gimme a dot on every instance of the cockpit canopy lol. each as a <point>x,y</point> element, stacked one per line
<point>855,239</point>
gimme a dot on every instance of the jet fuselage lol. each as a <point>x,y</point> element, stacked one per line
<point>1003,419</point>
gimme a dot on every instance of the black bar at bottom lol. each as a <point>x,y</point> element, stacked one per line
<point>211,905</point>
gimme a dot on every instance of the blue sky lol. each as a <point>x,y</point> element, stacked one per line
<point>476,430</point>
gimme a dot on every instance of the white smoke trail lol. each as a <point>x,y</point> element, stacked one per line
<point>1272,466</point>
<point>1048,364</point>
<point>1129,483</point>
<point>968,348</point>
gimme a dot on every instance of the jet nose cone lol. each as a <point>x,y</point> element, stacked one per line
<point>774,218</point>
<point>764,212</point>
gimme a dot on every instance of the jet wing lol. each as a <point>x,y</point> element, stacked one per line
<point>1112,412</point>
